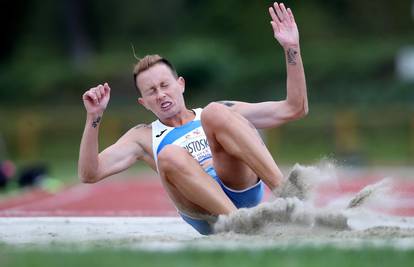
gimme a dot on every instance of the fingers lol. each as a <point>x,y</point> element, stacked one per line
<point>284,12</point>
<point>107,89</point>
<point>99,91</point>
<point>275,21</point>
<point>96,94</point>
<point>280,14</point>
<point>273,14</point>
<point>292,18</point>
<point>91,96</point>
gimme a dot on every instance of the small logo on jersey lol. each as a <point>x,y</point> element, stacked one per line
<point>161,133</point>
<point>193,134</point>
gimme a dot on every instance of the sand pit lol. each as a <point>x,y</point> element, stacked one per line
<point>170,233</point>
<point>318,216</point>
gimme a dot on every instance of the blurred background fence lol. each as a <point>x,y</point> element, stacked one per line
<point>352,137</point>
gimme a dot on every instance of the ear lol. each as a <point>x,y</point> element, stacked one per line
<point>142,102</point>
<point>181,81</point>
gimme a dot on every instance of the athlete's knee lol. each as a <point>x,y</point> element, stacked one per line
<point>172,156</point>
<point>215,114</point>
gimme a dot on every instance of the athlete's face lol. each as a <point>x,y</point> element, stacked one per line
<point>162,93</point>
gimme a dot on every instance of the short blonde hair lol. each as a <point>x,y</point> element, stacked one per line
<point>147,62</point>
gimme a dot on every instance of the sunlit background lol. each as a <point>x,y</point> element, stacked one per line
<point>358,56</point>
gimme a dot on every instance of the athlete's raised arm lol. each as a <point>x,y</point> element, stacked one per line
<point>273,113</point>
<point>93,166</point>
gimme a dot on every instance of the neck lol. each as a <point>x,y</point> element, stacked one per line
<point>180,118</point>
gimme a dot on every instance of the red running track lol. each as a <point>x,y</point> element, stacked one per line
<point>146,197</point>
<point>109,198</point>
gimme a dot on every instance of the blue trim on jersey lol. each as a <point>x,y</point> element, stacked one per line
<point>177,133</point>
<point>247,198</point>
<point>204,159</point>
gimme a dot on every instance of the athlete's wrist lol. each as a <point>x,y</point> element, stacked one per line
<point>94,119</point>
<point>286,47</point>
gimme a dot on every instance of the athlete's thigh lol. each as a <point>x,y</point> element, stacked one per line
<point>180,201</point>
<point>233,172</point>
<point>178,170</point>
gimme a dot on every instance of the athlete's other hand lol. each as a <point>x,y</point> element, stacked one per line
<point>284,26</point>
<point>96,99</point>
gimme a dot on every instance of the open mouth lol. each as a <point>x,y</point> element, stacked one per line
<point>166,105</point>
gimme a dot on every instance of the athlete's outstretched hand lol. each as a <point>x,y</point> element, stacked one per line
<point>284,26</point>
<point>96,99</point>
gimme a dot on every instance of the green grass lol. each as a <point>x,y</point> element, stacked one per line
<point>323,256</point>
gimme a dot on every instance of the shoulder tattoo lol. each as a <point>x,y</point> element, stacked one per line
<point>143,125</point>
<point>227,103</point>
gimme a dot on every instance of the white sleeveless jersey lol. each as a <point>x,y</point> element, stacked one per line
<point>190,136</point>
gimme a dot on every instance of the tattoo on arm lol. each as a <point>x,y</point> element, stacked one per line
<point>96,122</point>
<point>291,56</point>
<point>227,103</point>
<point>139,126</point>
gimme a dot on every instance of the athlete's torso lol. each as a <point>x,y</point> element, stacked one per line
<point>190,136</point>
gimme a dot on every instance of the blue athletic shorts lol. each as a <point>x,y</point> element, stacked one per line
<point>246,198</point>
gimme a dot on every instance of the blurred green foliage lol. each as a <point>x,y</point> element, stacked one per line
<point>56,49</point>
<point>357,136</point>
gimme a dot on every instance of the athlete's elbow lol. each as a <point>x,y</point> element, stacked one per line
<point>295,114</point>
<point>87,178</point>
<point>295,110</point>
<point>305,108</point>
<point>300,112</point>
<point>304,111</point>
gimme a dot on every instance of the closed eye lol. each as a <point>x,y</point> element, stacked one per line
<point>151,91</point>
